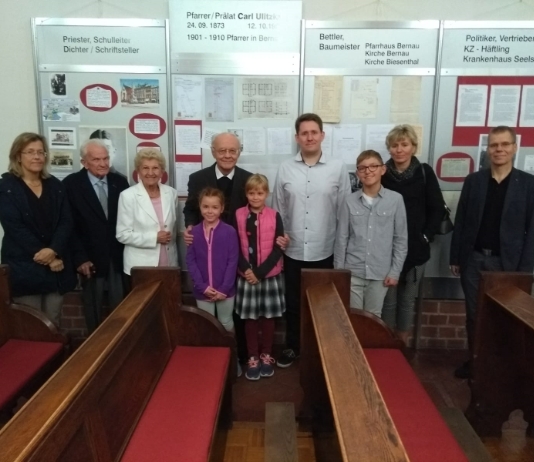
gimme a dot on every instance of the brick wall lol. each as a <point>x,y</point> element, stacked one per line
<point>442,326</point>
<point>72,319</point>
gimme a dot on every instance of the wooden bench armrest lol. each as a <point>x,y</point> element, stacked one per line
<point>372,332</point>
<point>360,406</point>
<point>199,328</point>
<point>26,323</point>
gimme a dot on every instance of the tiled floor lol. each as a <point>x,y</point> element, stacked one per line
<point>433,367</point>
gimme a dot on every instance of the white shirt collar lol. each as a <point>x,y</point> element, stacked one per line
<point>94,180</point>
<point>322,159</point>
<point>220,174</point>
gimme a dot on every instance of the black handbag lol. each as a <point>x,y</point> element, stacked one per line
<point>446,226</point>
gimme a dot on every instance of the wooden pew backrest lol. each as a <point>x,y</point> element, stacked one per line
<point>89,408</point>
<point>503,356</point>
<point>358,409</point>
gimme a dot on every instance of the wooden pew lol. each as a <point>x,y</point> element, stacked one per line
<point>503,353</point>
<point>98,402</point>
<point>352,369</point>
<point>31,348</point>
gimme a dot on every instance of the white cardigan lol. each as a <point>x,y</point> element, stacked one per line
<point>138,226</point>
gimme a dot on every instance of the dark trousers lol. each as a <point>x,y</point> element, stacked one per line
<point>470,278</point>
<point>93,296</point>
<point>292,269</point>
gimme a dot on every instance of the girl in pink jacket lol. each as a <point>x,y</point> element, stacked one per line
<point>260,285</point>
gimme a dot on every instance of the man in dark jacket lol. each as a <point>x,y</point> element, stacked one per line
<point>225,175</point>
<point>494,225</point>
<point>93,193</point>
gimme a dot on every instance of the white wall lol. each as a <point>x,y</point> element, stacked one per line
<point>19,105</point>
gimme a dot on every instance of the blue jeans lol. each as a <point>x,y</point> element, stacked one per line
<point>470,278</point>
<point>398,310</point>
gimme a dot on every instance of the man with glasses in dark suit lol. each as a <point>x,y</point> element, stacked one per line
<point>494,225</point>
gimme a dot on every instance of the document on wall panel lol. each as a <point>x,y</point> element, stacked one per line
<point>327,94</point>
<point>347,143</point>
<point>269,170</point>
<point>529,164</point>
<point>375,138</point>
<point>279,141</point>
<point>504,105</point>
<point>526,119</point>
<point>188,97</point>
<point>363,98</point>
<point>207,136</point>
<point>187,139</point>
<point>405,99</point>
<point>266,98</point>
<point>471,105</point>
<point>182,171</point>
<point>326,145</point>
<point>219,99</point>
<point>253,142</point>
<point>455,168</point>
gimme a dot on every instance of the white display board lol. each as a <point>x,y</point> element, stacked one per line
<point>365,78</point>
<point>367,49</point>
<point>93,45</point>
<point>102,78</point>
<point>205,26</point>
<point>477,46</point>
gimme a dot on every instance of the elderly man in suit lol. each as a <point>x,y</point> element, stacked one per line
<point>225,175</point>
<point>93,194</point>
<point>494,226</point>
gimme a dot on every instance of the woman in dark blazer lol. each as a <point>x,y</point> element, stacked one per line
<point>424,210</point>
<point>35,216</point>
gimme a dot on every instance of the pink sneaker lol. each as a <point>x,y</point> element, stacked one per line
<point>267,370</point>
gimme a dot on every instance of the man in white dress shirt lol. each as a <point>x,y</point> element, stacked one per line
<point>308,193</point>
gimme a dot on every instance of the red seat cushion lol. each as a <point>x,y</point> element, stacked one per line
<point>423,431</point>
<point>179,420</point>
<point>20,361</point>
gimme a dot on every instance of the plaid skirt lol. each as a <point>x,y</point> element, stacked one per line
<point>267,298</point>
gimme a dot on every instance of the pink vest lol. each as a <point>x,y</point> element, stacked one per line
<point>266,233</point>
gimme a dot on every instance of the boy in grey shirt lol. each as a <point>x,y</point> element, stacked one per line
<point>372,237</point>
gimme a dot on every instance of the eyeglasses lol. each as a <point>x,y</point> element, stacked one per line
<point>32,153</point>
<point>232,152</point>
<point>371,168</point>
<point>504,144</point>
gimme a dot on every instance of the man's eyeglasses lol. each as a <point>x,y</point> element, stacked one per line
<point>371,168</point>
<point>504,144</point>
<point>232,152</point>
<point>32,153</point>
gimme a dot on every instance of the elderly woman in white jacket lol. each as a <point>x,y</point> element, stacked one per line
<point>146,219</point>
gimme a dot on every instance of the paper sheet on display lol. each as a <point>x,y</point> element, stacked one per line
<point>504,105</point>
<point>471,105</point>
<point>188,97</point>
<point>363,98</point>
<point>266,98</point>
<point>219,99</point>
<point>182,171</point>
<point>347,143</point>
<point>279,141</point>
<point>327,94</point>
<point>405,99</point>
